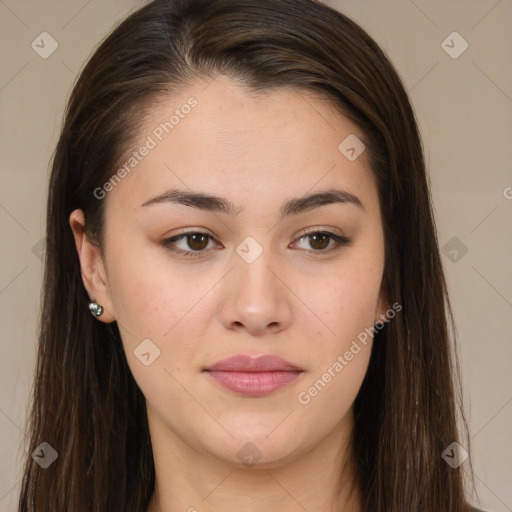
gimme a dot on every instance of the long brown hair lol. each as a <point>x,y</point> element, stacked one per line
<point>86,404</point>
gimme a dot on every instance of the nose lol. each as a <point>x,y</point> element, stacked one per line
<point>257,299</point>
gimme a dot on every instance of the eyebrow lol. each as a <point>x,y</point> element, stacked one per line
<point>218,204</point>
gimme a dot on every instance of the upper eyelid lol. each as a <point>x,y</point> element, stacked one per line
<point>184,234</point>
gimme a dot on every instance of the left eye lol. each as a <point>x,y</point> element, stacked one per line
<point>320,240</point>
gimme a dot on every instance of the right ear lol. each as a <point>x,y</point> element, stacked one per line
<point>92,267</point>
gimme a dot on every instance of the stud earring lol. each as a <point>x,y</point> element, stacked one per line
<point>95,309</point>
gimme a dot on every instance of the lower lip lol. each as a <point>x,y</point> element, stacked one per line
<point>254,383</point>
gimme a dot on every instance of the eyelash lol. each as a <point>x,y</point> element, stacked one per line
<point>339,240</point>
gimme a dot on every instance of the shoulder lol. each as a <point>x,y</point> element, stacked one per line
<point>473,509</point>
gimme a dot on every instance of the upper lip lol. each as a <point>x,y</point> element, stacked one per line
<point>246,363</point>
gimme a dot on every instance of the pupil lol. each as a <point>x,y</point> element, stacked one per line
<point>314,240</point>
<point>195,245</point>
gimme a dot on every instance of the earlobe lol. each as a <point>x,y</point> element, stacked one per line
<point>92,267</point>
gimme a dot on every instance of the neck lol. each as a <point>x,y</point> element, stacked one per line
<point>320,479</point>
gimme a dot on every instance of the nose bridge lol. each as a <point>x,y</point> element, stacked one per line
<point>252,271</point>
<point>256,298</point>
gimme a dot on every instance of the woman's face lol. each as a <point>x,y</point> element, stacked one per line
<point>250,282</point>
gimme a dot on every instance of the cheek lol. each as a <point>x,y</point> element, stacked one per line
<point>149,295</point>
<point>151,312</point>
<point>347,302</point>
<point>331,390</point>
<point>342,345</point>
<point>154,301</point>
<point>141,302</point>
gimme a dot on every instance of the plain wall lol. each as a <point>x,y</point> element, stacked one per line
<point>464,109</point>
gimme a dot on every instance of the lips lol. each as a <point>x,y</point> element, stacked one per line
<point>245,363</point>
<point>253,377</point>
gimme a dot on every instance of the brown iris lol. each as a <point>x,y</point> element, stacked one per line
<point>317,240</point>
<point>197,241</point>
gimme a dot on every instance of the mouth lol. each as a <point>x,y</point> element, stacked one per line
<point>253,377</point>
<point>254,383</point>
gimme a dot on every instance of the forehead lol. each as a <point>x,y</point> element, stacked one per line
<point>235,142</point>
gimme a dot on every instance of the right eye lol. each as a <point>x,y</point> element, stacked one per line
<point>193,243</point>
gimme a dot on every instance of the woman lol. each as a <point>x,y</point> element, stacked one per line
<point>244,303</point>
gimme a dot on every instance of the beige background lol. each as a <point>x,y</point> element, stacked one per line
<point>464,108</point>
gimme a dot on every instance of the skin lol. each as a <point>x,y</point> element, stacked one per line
<point>294,300</point>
